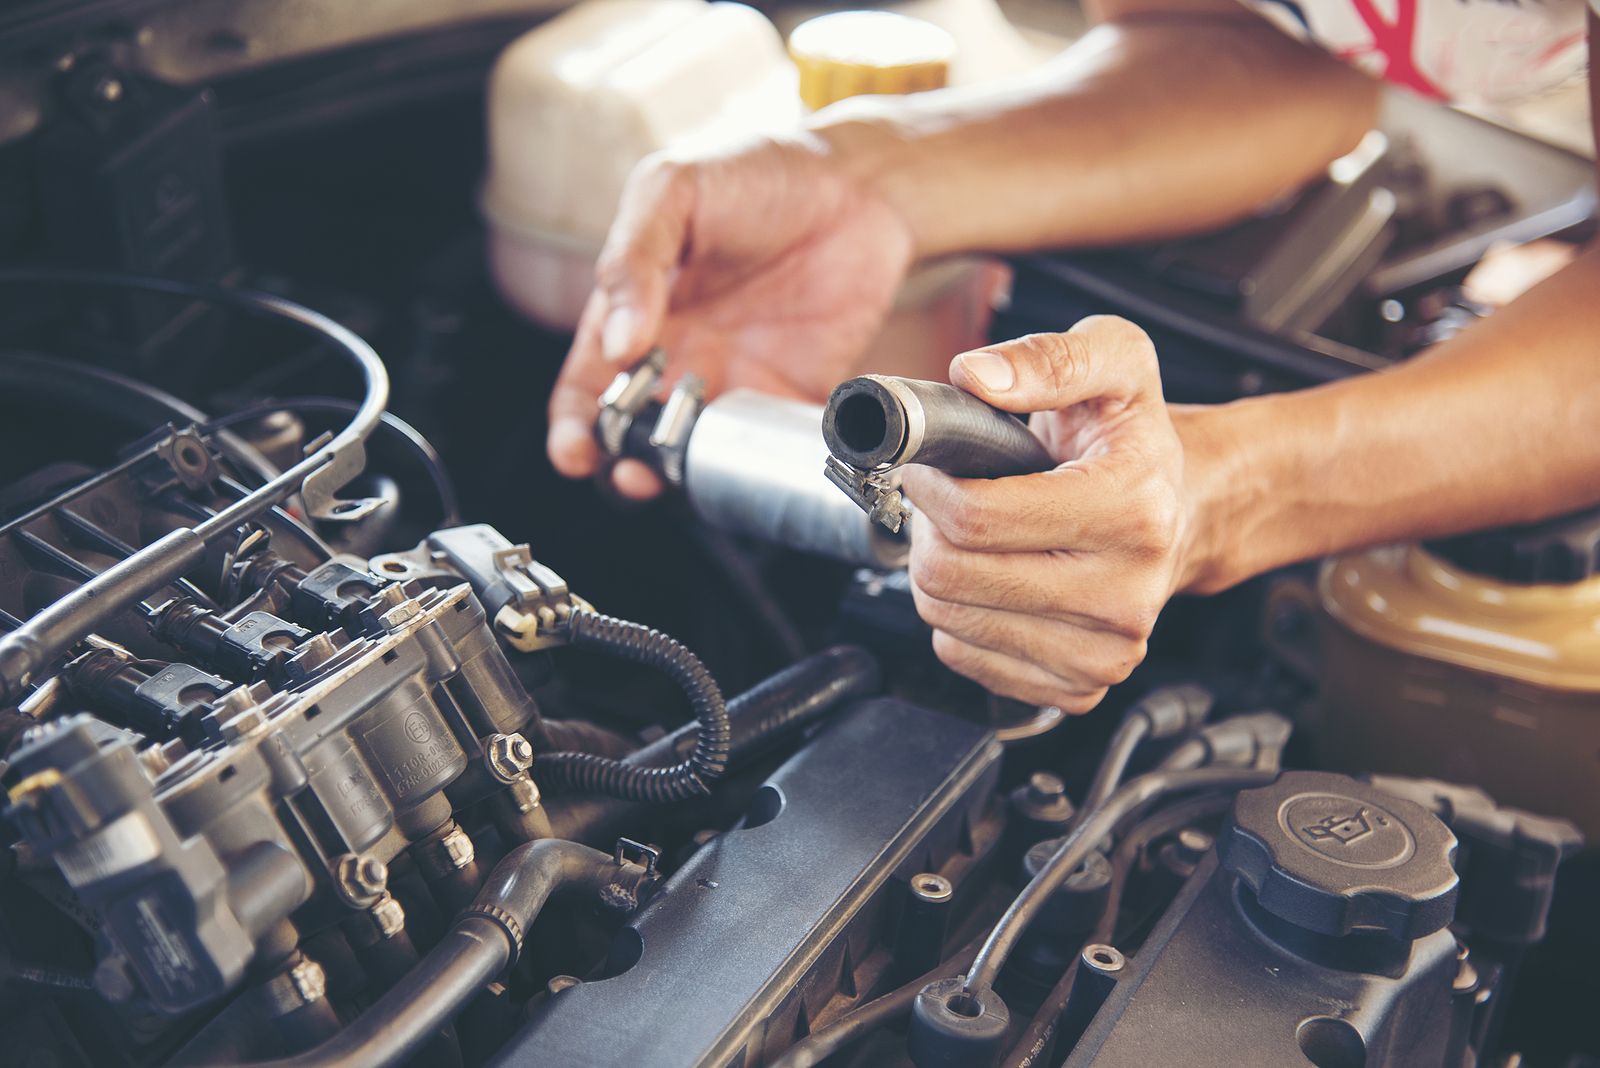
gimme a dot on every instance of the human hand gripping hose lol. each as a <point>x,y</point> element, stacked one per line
<point>876,423</point>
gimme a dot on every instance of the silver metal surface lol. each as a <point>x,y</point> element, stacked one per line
<point>754,466</point>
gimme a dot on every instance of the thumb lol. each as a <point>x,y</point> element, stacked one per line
<point>1101,358</point>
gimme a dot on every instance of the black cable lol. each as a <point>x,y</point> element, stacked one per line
<point>1163,713</point>
<point>54,629</point>
<point>1158,824</point>
<point>413,439</point>
<point>592,773</point>
<point>1077,846</point>
<point>820,1045</point>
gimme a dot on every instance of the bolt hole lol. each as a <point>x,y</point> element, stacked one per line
<point>1328,1042</point>
<point>764,807</point>
<point>346,507</point>
<point>393,567</point>
<point>227,773</point>
<point>964,1004</point>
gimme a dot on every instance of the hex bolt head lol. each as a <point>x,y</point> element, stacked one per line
<point>388,917</point>
<point>509,755</point>
<point>309,981</point>
<point>361,880</point>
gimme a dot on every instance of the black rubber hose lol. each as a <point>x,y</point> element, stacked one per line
<point>484,941</point>
<point>1163,713</point>
<point>879,421</point>
<point>591,773</point>
<point>785,702</point>
<point>760,718</point>
<point>1080,842</point>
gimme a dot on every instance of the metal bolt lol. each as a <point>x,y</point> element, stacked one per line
<point>361,880</point>
<point>524,794</point>
<point>388,917</point>
<point>309,981</point>
<point>108,89</point>
<point>510,756</point>
<point>1043,787</point>
<point>931,887</point>
<point>454,850</point>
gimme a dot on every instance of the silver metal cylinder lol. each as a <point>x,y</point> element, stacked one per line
<point>754,466</point>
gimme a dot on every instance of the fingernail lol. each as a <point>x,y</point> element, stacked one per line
<point>616,337</point>
<point>993,372</point>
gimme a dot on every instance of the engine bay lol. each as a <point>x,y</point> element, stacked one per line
<point>337,729</point>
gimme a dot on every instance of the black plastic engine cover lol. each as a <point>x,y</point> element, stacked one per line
<point>1211,988</point>
<point>773,927</point>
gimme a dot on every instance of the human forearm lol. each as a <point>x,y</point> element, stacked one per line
<point>1496,426</point>
<point>1166,122</point>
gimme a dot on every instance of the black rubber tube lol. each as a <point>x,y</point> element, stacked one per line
<point>1080,842</point>
<point>483,942</point>
<point>878,421</point>
<point>760,718</point>
<point>591,773</point>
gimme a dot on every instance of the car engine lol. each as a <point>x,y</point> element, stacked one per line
<point>337,730</point>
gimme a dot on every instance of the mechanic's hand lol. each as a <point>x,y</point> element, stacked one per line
<point>767,266</point>
<point>1045,587</point>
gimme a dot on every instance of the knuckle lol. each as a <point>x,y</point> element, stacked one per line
<point>936,574</point>
<point>1116,668</point>
<point>1079,704</point>
<point>953,653</point>
<point>966,523</point>
<point>1062,359</point>
<point>1153,520</point>
<point>1136,618</point>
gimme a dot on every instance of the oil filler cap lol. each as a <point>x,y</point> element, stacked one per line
<point>1335,856</point>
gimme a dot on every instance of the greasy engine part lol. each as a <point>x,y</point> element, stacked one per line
<point>293,807</point>
<point>1327,914</point>
<point>780,924</point>
<point>875,423</point>
<point>747,462</point>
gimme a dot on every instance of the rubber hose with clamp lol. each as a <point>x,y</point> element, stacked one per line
<point>875,423</point>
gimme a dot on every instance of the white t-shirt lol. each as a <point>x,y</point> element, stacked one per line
<point>1465,51</point>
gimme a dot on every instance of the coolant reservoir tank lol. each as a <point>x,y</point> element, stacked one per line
<point>575,103</point>
<point>1474,660</point>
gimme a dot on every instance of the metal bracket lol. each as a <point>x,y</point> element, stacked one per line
<point>648,855</point>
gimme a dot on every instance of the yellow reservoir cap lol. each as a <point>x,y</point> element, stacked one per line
<point>855,53</point>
